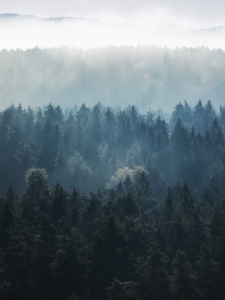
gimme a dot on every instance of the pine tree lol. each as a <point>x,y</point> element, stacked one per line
<point>6,223</point>
<point>209,279</point>
<point>109,257</point>
<point>11,198</point>
<point>59,203</point>
<point>153,277</point>
<point>198,115</point>
<point>109,124</point>
<point>209,114</point>
<point>122,290</point>
<point>182,283</point>
<point>50,111</point>
<point>177,114</point>
<point>197,234</point>
<point>127,206</point>
<point>168,204</point>
<point>89,217</point>
<point>177,232</point>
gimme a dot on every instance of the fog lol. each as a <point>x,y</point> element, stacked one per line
<point>192,13</point>
<point>25,32</point>
<point>75,60</point>
<point>149,77</point>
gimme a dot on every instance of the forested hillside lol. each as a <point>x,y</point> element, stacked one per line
<point>144,76</point>
<point>91,148</point>
<point>102,203</point>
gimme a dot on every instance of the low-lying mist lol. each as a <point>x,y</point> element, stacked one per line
<point>25,32</point>
<point>149,77</point>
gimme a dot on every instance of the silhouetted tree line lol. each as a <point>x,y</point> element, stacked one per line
<point>136,210</point>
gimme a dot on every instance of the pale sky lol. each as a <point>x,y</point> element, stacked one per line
<point>198,13</point>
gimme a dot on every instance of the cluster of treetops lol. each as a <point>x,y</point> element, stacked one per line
<point>112,204</point>
<point>96,147</point>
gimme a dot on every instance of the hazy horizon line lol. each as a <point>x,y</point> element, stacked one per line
<point>71,17</point>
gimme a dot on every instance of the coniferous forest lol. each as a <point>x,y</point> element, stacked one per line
<point>112,204</point>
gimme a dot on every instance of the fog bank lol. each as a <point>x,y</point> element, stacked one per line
<point>25,32</point>
<point>144,76</point>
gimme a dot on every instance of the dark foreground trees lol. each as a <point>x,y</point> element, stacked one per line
<point>60,245</point>
<point>112,204</point>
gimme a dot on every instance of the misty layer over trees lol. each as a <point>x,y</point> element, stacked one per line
<point>143,76</point>
<point>103,203</point>
<point>148,28</point>
<point>99,146</point>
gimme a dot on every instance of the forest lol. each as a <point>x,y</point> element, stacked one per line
<point>143,76</point>
<point>111,203</point>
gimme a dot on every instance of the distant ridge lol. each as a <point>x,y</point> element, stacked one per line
<point>10,16</point>
<point>166,26</point>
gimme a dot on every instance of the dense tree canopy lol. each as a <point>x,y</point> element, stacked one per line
<point>109,203</point>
